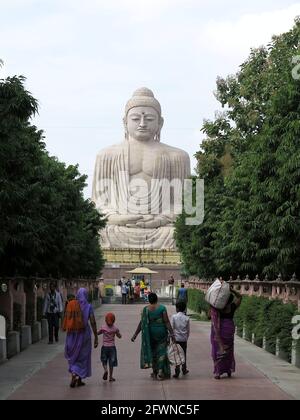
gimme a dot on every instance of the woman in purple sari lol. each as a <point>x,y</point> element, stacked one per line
<point>78,347</point>
<point>222,336</point>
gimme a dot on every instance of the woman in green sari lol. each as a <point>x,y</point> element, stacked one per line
<point>155,325</point>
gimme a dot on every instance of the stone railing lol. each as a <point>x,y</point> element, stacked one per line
<point>21,304</point>
<point>287,291</point>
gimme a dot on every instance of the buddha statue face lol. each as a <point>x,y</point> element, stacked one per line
<point>143,123</point>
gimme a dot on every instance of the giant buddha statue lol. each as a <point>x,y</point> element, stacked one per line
<point>131,179</point>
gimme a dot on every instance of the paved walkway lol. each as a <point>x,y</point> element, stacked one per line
<point>41,371</point>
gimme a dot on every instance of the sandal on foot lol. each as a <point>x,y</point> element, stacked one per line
<point>105,376</point>
<point>80,383</point>
<point>112,380</point>
<point>73,381</point>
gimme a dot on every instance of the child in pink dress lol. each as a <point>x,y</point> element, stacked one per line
<point>108,350</point>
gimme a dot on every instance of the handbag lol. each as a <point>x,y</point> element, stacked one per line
<point>176,354</point>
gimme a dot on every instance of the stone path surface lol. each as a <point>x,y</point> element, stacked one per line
<point>40,372</point>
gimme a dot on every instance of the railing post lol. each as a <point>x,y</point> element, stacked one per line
<point>3,349</point>
<point>280,352</point>
<point>264,343</point>
<point>244,332</point>
<point>296,353</point>
<point>277,347</point>
<point>274,291</point>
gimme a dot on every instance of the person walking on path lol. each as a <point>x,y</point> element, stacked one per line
<point>52,309</point>
<point>171,283</point>
<point>181,327</point>
<point>108,350</point>
<point>101,289</point>
<point>137,291</point>
<point>222,336</point>
<point>182,295</point>
<point>124,291</point>
<point>142,287</point>
<point>130,291</point>
<point>155,326</point>
<point>78,347</point>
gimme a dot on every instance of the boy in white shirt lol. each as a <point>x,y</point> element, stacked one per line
<point>181,327</point>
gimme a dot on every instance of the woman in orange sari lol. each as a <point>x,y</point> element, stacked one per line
<point>78,347</point>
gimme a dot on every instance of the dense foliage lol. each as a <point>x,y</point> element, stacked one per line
<point>46,225</point>
<point>271,319</point>
<point>197,302</point>
<point>250,161</point>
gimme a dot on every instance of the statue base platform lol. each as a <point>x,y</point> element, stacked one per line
<point>141,256</point>
<point>120,261</point>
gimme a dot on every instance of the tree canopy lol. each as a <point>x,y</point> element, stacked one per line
<point>46,226</point>
<point>250,161</point>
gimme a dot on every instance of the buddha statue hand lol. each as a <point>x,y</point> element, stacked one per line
<point>123,219</point>
<point>151,222</point>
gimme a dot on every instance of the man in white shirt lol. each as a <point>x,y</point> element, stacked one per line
<point>53,307</point>
<point>181,327</point>
<point>124,291</point>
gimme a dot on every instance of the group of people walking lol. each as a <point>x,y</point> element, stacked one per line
<point>133,290</point>
<point>157,331</point>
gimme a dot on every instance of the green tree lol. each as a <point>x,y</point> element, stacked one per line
<point>251,165</point>
<point>46,225</point>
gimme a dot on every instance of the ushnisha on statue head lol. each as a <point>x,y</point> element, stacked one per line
<point>143,120</point>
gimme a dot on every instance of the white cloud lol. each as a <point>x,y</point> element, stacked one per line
<point>11,4</point>
<point>234,38</point>
<point>46,32</point>
<point>135,10</point>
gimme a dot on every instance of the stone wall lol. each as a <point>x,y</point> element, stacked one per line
<point>21,301</point>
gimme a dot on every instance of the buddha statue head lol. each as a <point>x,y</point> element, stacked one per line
<point>143,120</point>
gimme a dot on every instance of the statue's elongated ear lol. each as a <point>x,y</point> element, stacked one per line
<point>161,123</point>
<point>125,128</point>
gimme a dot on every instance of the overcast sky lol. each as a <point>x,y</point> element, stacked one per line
<point>83,60</point>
